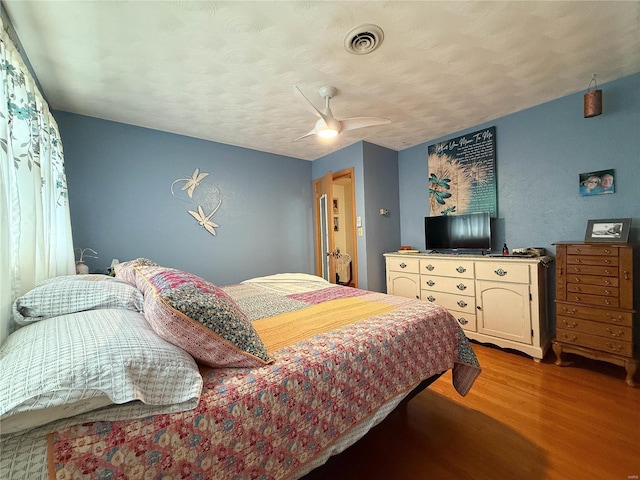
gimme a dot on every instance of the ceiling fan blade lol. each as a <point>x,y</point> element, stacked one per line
<point>310,105</point>
<point>361,122</point>
<point>312,132</point>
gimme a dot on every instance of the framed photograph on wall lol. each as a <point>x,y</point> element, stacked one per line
<point>612,230</point>
<point>597,183</point>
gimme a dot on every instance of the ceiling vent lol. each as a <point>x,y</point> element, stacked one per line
<point>363,39</point>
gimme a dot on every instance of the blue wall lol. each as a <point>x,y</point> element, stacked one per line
<point>119,179</point>
<point>540,153</point>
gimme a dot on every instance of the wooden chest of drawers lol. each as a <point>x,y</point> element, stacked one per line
<point>595,302</point>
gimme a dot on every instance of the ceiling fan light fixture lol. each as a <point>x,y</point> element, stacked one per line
<point>327,133</point>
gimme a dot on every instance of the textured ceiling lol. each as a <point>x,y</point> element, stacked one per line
<point>225,71</point>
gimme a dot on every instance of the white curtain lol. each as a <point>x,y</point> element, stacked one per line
<point>35,226</point>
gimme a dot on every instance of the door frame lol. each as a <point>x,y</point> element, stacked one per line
<point>347,173</point>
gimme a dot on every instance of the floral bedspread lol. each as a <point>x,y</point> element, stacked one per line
<point>274,421</point>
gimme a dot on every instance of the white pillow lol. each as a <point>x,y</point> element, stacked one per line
<point>75,293</point>
<point>76,360</point>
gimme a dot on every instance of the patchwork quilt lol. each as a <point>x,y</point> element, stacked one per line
<point>340,356</point>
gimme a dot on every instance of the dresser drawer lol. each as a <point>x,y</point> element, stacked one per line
<point>464,286</point>
<point>596,314</point>
<point>593,289</point>
<point>592,260</point>
<point>503,272</point>
<point>599,343</point>
<point>466,320</point>
<point>450,268</point>
<point>593,299</point>
<point>592,270</point>
<point>591,250</point>
<point>403,264</point>
<point>593,280</point>
<point>450,301</point>
<point>605,330</point>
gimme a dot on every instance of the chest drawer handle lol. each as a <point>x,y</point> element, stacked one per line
<point>461,286</point>
<point>430,267</point>
<point>431,283</point>
<point>577,289</point>
<point>571,338</point>
<point>607,261</point>
<point>569,325</point>
<point>606,250</point>
<point>500,272</point>
<point>463,321</point>
<point>431,298</point>
<point>626,275</point>
<point>462,303</point>
<point>614,348</point>
<point>618,334</point>
<point>461,269</point>
<point>403,265</point>
<point>617,319</point>
<point>570,311</point>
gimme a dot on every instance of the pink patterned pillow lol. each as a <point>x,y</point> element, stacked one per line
<point>200,318</point>
<point>127,272</point>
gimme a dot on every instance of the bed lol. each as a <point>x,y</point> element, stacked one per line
<point>264,379</point>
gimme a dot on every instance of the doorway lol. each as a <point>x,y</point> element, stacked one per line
<point>335,226</point>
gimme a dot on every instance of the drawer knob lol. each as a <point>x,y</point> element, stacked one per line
<point>571,338</point>
<point>614,348</point>
<point>570,311</point>
<point>569,324</point>
<point>607,261</point>
<point>431,283</point>
<point>431,298</point>
<point>461,286</point>
<point>500,272</point>
<point>461,269</point>
<point>618,334</point>
<point>463,321</point>
<point>462,303</point>
<point>403,265</point>
<point>607,282</point>
<point>430,267</point>
<point>617,319</point>
<point>577,289</point>
<point>606,250</point>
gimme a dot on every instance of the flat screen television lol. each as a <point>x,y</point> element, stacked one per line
<point>470,231</point>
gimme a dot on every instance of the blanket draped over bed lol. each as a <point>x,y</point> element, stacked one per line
<point>340,355</point>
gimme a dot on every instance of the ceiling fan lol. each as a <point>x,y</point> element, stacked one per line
<point>327,125</point>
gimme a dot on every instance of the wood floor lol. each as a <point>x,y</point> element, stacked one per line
<point>522,420</point>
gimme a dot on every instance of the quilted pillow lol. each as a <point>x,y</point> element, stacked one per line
<point>74,363</point>
<point>127,272</point>
<point>199,317</point>
<point>75,293</point>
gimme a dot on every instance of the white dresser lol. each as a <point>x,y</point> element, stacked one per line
<point>496,300</point>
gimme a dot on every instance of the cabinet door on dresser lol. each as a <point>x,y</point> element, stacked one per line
<point>403,276</point>
<point>503,297</point>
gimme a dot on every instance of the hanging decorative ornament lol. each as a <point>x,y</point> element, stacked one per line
<point>592,100</point>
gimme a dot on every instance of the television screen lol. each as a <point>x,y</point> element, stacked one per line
<point>452,232</point>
